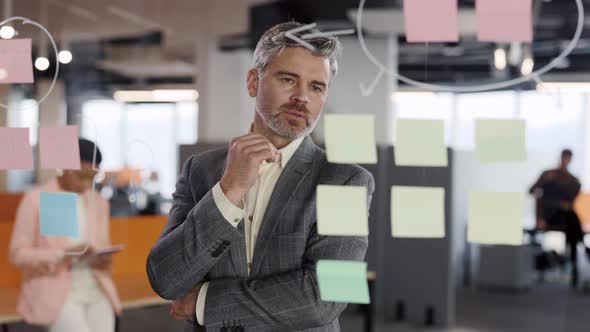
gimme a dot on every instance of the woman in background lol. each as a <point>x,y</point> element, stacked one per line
<point>60,289</point>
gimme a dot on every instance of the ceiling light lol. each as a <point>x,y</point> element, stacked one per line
<point>138,96</point>
<point>65,56</point>
<point>500,60</point>
<point>527,66</point>
<point>7,32</point>
<point>41,63</point>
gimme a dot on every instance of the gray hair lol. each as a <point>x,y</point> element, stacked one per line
<point>273,41</point>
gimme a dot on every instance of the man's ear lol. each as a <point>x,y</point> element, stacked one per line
<point>252,82</point>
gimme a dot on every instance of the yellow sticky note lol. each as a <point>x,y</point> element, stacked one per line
<point>417,212</point>
<point>342,210</point>
<point>500,140</point>
<point>495,218</point>
<point>420,143</point>
<point>350,138</point>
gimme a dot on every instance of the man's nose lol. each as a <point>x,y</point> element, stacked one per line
<point>301,95</point>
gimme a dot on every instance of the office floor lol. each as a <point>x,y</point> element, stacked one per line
<point>548,307</point>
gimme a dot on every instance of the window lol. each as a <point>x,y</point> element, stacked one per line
<point>473,106</point>
<point>144,135</point>
<point>425,105</point>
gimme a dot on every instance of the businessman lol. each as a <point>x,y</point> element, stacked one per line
<point>241,246</point>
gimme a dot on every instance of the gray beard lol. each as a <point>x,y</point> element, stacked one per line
<point>274,123</point>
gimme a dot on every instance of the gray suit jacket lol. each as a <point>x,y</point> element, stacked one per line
<point>281,293</point>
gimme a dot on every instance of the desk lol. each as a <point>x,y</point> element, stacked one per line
<point>137,233</point>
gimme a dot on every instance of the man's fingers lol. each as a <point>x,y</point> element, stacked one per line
<point>241,146</point>
<point>179,315</point>
<point>249,139</point>
<point>258,147</point>
<point>266,154</point>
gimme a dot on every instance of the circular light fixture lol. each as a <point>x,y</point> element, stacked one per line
<point>41,63</point>
<point>7,32</point>
<point>65,57</point>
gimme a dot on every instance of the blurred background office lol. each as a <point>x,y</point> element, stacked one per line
<point>153,81</point>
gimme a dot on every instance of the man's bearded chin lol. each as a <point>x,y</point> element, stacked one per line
<point>286,131</point>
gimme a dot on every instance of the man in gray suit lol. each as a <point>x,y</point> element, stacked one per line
<point>240,249</point>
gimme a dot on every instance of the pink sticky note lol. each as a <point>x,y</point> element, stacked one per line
<point>504,20</point>
<point>15,150</point>
<point>16,64</point>
<point>431,21</point>
<point>59,147</point>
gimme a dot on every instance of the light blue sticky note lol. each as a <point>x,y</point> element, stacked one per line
<point>343,281</point>
<point>59,214</point>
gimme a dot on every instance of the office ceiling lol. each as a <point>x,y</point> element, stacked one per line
<point>165,32</point>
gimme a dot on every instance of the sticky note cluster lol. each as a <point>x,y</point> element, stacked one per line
<point>497,20</point>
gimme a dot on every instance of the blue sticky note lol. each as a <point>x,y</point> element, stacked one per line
<point>59,214</point>
<point>343,281</point>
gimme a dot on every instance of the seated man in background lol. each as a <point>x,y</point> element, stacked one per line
<point>65,292</point>
<point>555,191</point>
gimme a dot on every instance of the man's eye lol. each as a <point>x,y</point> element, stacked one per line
<point>317,88</point>
<point>287,80</point>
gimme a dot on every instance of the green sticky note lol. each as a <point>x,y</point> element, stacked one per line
<point>342,210</point>
<point>417,212</point>
<point>350,138</point>
<point>343,281</point>
<point>500,140</point>
<point>420,143</point>
<point>495,218</point>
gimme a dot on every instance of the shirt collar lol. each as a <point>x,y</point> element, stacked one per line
<point>289,150</point>
<point>286,152</point>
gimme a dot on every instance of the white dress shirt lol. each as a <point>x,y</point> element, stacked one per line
<point>255,203</point>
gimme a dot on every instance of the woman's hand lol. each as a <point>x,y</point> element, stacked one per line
<point>102,262</point>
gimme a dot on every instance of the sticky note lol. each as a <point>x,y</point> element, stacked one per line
<point>15,150</point>
<point>343,281</point>
<point>59,147</point>
<point>431,21</point>
<point>504,20</point>
<point>59,214</point>
<point>495,218</point>
<point>342,210</point>
<point>350,138</point>
<point>500,140</point>
<point>16,61</point>
<point>417,212</point>
<point>420,143</point>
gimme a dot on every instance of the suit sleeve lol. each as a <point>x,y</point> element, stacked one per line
<point>196,236</point>
<point>290,300</point>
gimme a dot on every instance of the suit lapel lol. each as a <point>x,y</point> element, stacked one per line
<point>295,171</point>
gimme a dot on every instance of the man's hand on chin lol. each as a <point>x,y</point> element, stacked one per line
<point>184,308</point>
